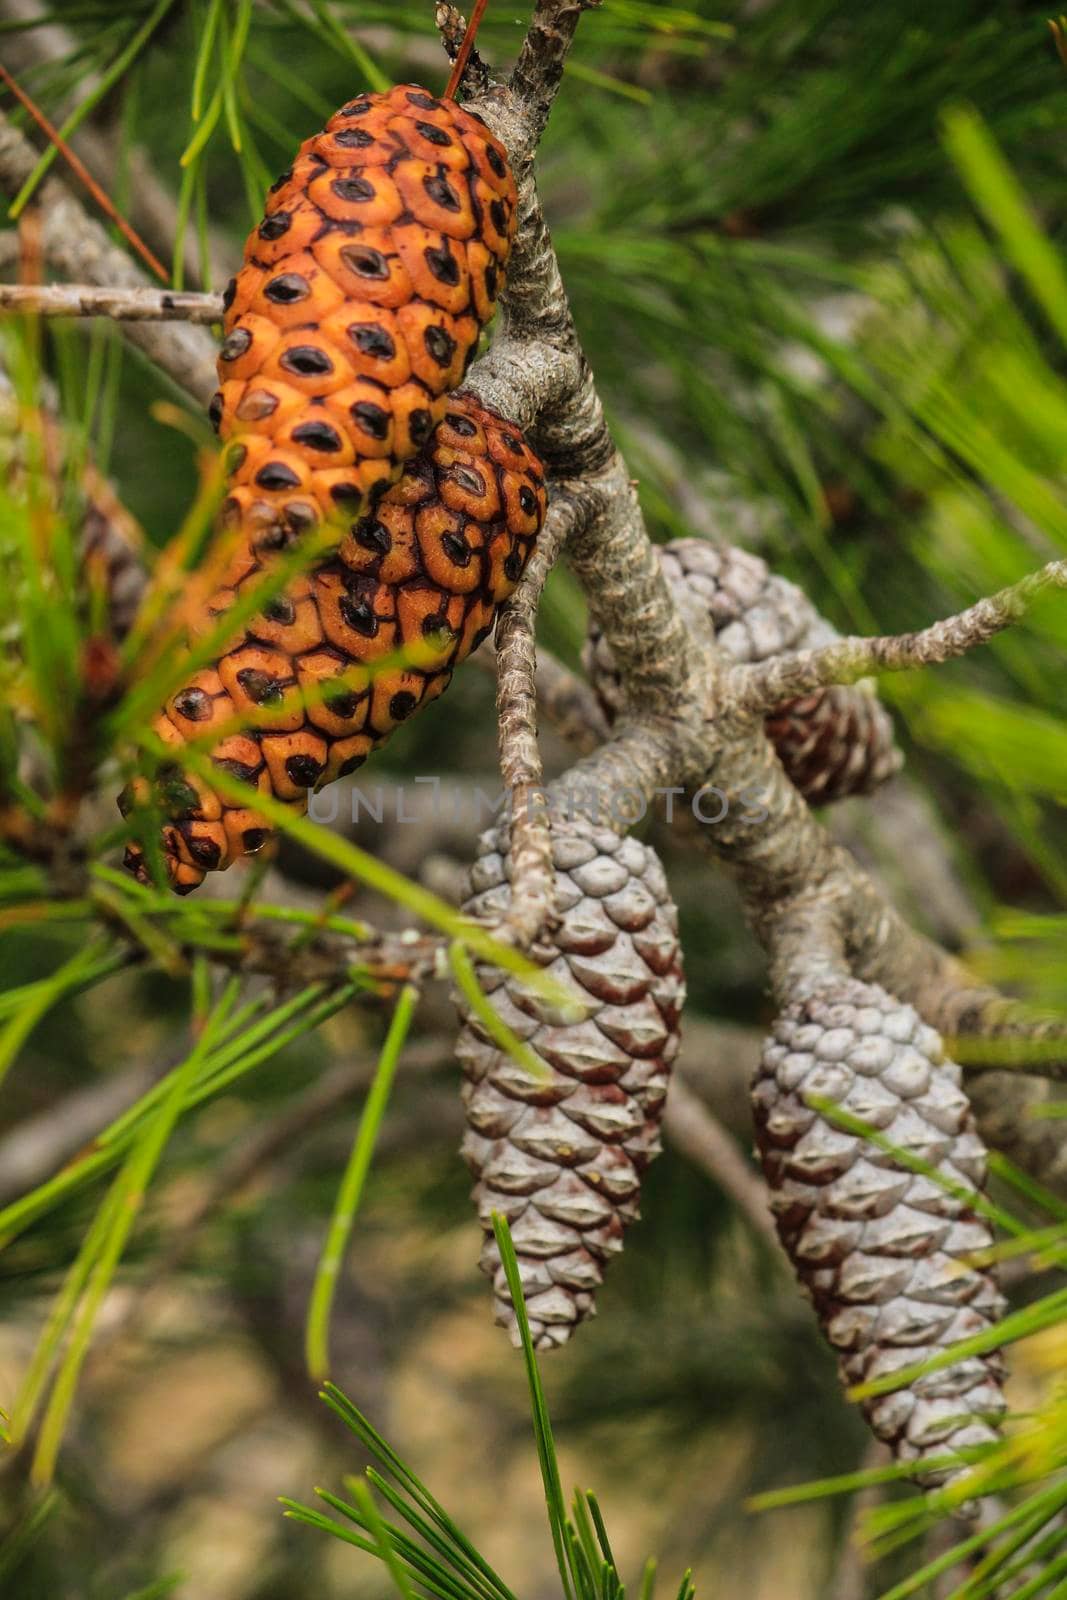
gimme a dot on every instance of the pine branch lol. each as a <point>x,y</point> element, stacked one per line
<point>539,69</point>
<point>135,304</point>
<point>79,248</point>
<point>532,905</point>
<point>697,1132</point>
<point>769,683</point>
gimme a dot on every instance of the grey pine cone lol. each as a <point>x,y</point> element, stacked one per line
<point>882,1251</point>
<point>562,1157</point>
<point>834,743</point>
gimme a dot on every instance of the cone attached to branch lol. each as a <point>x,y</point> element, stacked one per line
<point>834,743</point>
<point>884,1247</point>
<point>562,1155</point>
<point>417,582</point>
<point>360,304</point>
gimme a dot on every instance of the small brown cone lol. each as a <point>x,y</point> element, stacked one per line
<point>833,744</point>
<point>884,1252</point>
<point>562,1156</point>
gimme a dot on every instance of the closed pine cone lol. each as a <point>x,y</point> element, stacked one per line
<point>562,1157</point>
<point>883,1251</point>
<point>360,304</point>
<point>425,572</point>
<point>834,743</point>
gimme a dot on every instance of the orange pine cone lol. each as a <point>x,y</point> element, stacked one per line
<point>363,295</point>
<point>424,572</point>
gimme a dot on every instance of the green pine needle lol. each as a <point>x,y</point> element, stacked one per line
<point>350,1189</point>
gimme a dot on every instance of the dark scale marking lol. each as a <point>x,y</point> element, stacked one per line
<point>461,424</point>
<point>280,182</point>
<point>434,134</point>
<point>205,852</point>
<point>442,263</point>
<point>441,192</point>
<point>358,108</point>
<point>438,624</point>
<point>351,765</point>
<point>440,345</point>
<point>276,475</point>
<point>273,227</point>
<point>402,705</point>
<point>228,294</point>
<point>499,213</point>
<point>358,616</point>
<point>496,161</point>
<point>456,549</point>
<point>425,101</point>
<point>353,189</point>
<point>371,418</point>
<point>468,479</point>
<point>513,567</point>
<point>236,769</point>
<point>342,703</point>
<point>306,361</point>
<point>299,516</point>
<point>420,424</point>
<point>481,635</point>
<point>287,288</point>
<point>273,537</point>
<point>280,609</point>
<point>342,492</point>
<point>214,410</point>
<point>304,771</point>
<point>193,704</point>
<point>372,340</point>
<point>239,341</point>
<point>492,280</point>
<point>259,686</point>
<point>527,500</point>
<point>354,138</point>
<point>317,436</point>
<point>513,444</point>
<point>373,535</point>
<point>254,839</point>
<point>256,404</point>
<point>364,261</point>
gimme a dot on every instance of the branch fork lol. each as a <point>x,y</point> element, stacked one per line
<point>807,899</point>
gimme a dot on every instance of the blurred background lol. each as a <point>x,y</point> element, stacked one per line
<point>811,341</point>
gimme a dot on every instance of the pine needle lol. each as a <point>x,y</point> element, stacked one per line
<point>350,1189</point>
